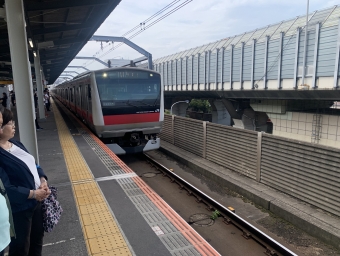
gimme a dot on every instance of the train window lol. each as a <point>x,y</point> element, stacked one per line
<point>142,87</point>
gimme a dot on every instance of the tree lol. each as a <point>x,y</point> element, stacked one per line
<point>199,105</point>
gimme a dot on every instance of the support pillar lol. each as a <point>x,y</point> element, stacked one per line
<point>220,114</point>
<point>40,86</point>
<point>21,75</point>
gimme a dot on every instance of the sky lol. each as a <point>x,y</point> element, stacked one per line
<point>197,23</point>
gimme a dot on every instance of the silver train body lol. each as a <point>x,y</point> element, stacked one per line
<point>122,106</point>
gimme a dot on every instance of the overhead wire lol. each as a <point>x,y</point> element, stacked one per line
<point>148,26</point>
<point>138,26</point>
<point>154,15</point>
<point>150,18</point>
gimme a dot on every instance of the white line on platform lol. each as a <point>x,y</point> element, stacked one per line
<point>59,242</point>
<point>119,176</point>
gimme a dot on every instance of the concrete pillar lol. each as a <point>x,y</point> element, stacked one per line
<point>21,75</point>
<point>40,86</point>
<point>220,114</point>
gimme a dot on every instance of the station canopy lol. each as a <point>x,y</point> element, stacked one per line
<point>58,29</point>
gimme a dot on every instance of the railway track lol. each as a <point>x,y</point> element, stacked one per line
<point>252,238</point>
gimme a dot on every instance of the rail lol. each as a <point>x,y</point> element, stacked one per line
<point>249,231</point>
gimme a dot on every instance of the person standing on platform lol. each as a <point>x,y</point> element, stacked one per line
<point>4,100</point>
<point>47,99</point>
<point>5,214</point>
<point>13,98</point>
<point>26,185</point>
<point>5,237</point>
<point>35,97</point>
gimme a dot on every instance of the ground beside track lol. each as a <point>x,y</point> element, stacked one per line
<point>285,233</point>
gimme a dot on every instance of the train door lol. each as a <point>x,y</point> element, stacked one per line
<point>89,103</point>
<point>67,97</point>
<point>84,102</point>
<point>79,101</point>
<point>75,99</point>
<point>71,99</point>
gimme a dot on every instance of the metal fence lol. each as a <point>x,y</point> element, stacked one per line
<point>303,170</point>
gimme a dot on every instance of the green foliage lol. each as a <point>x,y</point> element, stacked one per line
<point>215,215</point>
<point>200,106</point>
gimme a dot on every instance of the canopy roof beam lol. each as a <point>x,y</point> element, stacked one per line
<point>127,42</point>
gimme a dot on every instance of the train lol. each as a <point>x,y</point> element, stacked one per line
<point>123,106</point>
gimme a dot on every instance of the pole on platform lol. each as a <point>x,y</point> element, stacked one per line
<point>21,75</point>
<point>40,87</point>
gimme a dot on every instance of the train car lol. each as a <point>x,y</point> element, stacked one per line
<point>122,106</point>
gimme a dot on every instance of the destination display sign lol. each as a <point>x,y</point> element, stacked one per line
<point>126,74</point>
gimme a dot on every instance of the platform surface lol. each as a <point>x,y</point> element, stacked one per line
<point>107,208</point>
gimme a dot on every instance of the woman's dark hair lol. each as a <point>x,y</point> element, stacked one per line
<point>7,116</point>
<point>5,95</point>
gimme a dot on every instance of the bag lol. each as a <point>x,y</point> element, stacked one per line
<point>51,210</point>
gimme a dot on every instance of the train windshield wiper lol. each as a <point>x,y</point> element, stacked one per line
<point>144,103</point>
<point>128,103</point>
<point>158,97</point>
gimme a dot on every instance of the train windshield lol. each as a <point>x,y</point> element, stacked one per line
<point>128,88</point>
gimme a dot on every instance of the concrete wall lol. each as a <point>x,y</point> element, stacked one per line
<point>309,127</point>
<point>300,169</point>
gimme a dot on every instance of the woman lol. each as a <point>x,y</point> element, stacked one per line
<point>5,214</point>
<point>6,221</point>
<point>26,186</point>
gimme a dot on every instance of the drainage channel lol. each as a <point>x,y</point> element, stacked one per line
<point>271,246</point>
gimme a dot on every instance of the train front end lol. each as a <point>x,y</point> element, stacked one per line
<point>132,109</point>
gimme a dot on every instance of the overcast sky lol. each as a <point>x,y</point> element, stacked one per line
<point>197,23</point>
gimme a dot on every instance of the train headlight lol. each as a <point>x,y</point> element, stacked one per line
<point>104,75</point>
<point>151,74</point>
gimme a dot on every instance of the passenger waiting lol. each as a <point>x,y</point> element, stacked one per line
<point>4,100</point>
<point>26,185</point>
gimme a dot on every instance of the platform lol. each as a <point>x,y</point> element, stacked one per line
<point>108,209</point>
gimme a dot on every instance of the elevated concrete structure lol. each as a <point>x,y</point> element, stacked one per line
<point>264,67</point>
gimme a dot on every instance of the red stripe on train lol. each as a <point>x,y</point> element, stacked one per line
<point>131,118</point>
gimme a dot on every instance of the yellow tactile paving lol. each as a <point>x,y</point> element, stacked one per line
<point>92,208</point>
<point>118,252</point>
<point>99,217</point>
<point>102,229</point>
<point>101,232</point>
<point>104,243</point>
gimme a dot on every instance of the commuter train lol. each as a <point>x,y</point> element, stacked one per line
<point>124,106</point>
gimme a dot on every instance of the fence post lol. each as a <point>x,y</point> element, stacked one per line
<point>173,129</point>
<point>204,139</point>
<point>259,154</point>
